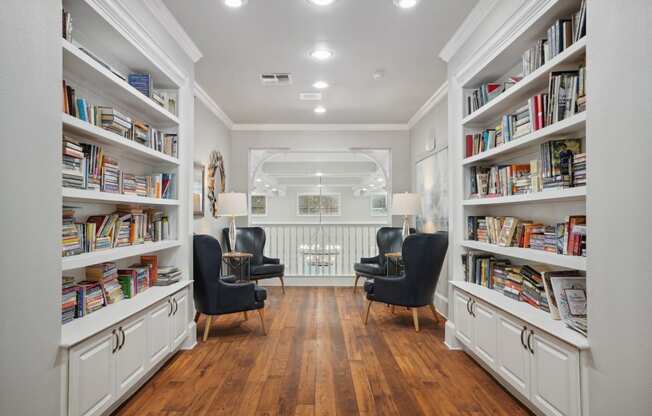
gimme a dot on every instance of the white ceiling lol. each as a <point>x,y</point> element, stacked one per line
<point>276,36</point>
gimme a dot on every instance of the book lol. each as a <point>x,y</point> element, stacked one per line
<point>143,82</point>
<point>569,291</point>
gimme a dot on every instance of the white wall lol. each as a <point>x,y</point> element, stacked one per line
<point>618,206</point>
<point>397,141</point>
<point>434,124</point>
<point>210,134</point>
<point>30,299</point>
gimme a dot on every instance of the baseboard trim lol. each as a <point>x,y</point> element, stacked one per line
<point>191,340</point>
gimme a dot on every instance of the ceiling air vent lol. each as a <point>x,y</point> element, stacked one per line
<point>276,79</point>
<point>310,96</point>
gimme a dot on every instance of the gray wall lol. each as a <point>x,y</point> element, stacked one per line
<point>30,299</point>
<point>618,207</point>
<point>434,124</point>
<point>210,134</point>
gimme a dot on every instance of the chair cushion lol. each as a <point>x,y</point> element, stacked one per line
<point>369,286</point>
<point>265,269</point>
<point>260,293</point>
<point>370,269</point>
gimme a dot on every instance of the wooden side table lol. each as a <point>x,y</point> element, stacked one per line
<point>241,261</point>
<point>394,259</point>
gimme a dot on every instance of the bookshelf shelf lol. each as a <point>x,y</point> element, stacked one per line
<point>528,86</point>
<point>78,62</point>
<point>96,257</point>
<point>83,328</point>
<point>573,124</point>
<point>537,256</point>
<point>570,194</point>
<point>525,312</point>
<point>120,145</point>
<point>84,195</point>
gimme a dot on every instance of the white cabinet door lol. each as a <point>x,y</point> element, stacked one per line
<point>484,336</point>
<point>555,376</point>
<point>463,320</point>
<point>513,362</point>
<point>131,362</point>
<point>91,388</point>
<point>180,318</point>
<point>158,332</point>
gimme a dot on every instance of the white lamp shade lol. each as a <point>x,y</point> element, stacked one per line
<point>232,204</point>
<point>406,204</point>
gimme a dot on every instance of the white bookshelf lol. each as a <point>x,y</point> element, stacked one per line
<point>570,194</point>
<point>529,255</point>
<point>84,195</point>
<point>115,254</point>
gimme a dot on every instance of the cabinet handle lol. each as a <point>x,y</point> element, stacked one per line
<point>468,302</point>
<point>123,338</point>
<point>117,341</point>
<point>529,345</point>
<point>472,304</point>
<point>523,332</point>
<point>176,306</point>
<point>171,307</point>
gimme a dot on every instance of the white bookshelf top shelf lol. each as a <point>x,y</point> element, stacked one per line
<point>81,64</point>
<point>527,87</point>
<point>85,195</point>
<point>570,194</point>
<point>120,146</point>
<point>83,328</point>
<point>574,124</point>
<point>535,317</point>
<point>536,256</point>
<point>95,257</point>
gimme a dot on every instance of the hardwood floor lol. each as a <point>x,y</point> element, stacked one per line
<point>319,359</point>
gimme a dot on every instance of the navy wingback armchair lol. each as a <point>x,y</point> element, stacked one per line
<point>252,240</point>
<point>423,257</point>
<point>215,295</point>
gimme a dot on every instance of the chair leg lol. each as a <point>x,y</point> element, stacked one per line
<point>197,315</point>
<point>262,320</point>
<point>355,283</point>
<point>282,284</point>
<point>415,318</point>
<point>434,313</point>
<point>366,318</point>
<point>207,326</point>
<point>393,309</point>
<point>245,315</point>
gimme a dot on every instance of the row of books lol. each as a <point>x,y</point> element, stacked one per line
<point>565,97</point>
<point>561,35</point>
<point>117,122</point>
<point>128,226</point>
<point>480,96</point>
<point>561,165</point>
<point>560,293</point>
<point>567,238</point>
<point>86,166</point>
<point>68,299</point>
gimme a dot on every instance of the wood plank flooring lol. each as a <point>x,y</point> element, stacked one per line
<point>319,359</point>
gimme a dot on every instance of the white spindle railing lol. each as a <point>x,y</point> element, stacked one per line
<point>293,243</point>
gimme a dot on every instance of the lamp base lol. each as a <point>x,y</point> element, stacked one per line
<point>232,234</point>
<point>406,227</point>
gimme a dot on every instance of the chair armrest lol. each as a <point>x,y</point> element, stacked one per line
<point>269,260</point>
<point>237,295</point>
<point>229,279</point>
<point>370,260</point>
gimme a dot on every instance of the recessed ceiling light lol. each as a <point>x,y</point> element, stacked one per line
<point>235,3</point>
<point>258,180</point>
<point>266,185</point>
<point>406,4</point>
<point>319,174</point>
<point>322,2</point>
<point>380,180</point>
<point>321,54</point>
<point>364,189</point>
<point>321,85</point>
<point>320,110</point>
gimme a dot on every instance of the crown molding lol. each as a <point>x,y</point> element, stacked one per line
<point>524,16</point>
<point>320,127</point>
<point>206,99</point>
<point>440,94</point>
<point>170,23</point>
<point>470,24</point>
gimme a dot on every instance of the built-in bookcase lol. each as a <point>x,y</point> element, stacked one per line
<point>99,85</point>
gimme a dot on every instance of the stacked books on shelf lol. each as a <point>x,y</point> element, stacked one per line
<point>134,280</point>
<point>566,295</point>
<point>110,179</point>
<point>567,238</point>
<point>480,96</point>
<point>168,275</point>
<point>71,241</point>
<point>142,82</point>
<point>68,299</point>
<point>90,298</point>
<point>562,165</point>
<point>119,123</point>
<point>106,274</point>
<point>73,164</point>
<point>151,261</point>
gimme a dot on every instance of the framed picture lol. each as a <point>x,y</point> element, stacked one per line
<point>432,183</point>
<point>378,204</point>
<point>198,172</point>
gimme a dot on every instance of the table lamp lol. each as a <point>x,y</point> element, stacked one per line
<point>406,204</point>
<point>232,205</point>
